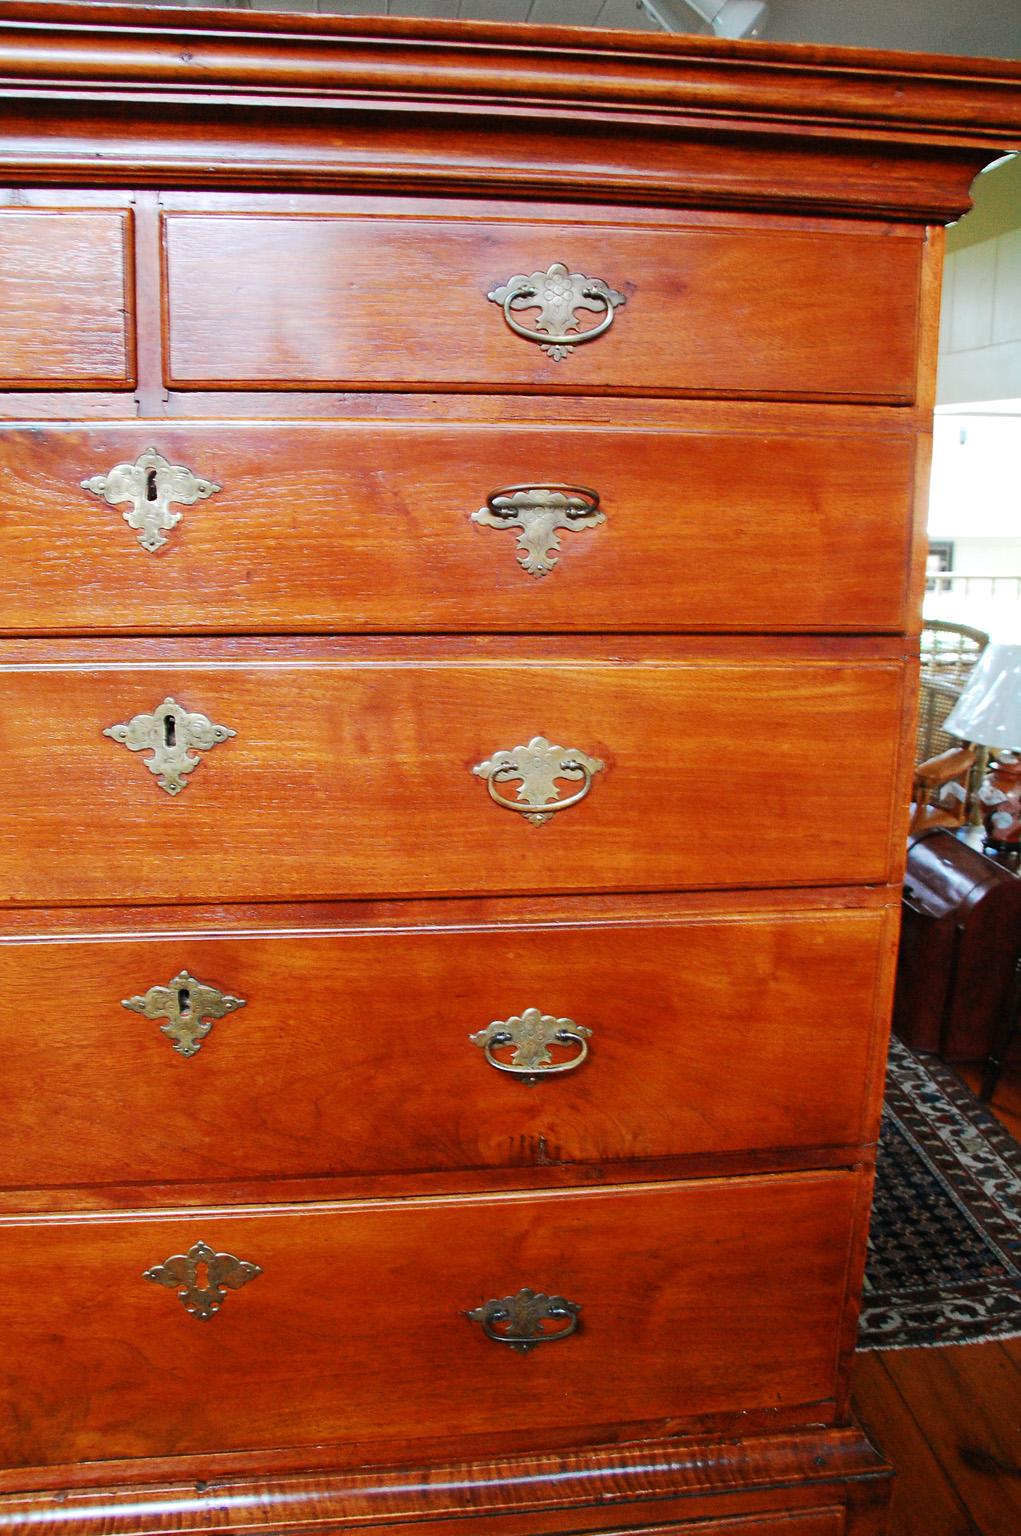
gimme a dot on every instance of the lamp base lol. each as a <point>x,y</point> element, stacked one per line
<point>1000,800</point>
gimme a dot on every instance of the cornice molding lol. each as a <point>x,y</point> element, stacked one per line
<point>307,100</point>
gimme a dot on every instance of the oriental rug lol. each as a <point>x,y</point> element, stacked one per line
<point>944,1262</point>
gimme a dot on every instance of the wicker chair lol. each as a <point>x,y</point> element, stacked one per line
<point>947,774</point>
<point>947,655</point>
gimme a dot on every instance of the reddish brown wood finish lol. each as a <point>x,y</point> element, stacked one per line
<point>661,119</point>
<point>401,303</point>
<point>352,1055</point>
<point>66,298</point>
<point>338,197</point>
<point>356,1329</point>
<point>340,526</point>
<point>352,776</point>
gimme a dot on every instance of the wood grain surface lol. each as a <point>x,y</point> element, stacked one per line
<point>710,1297</point>
<point>345,301</point>
<point>354,776</point>
<point>351,1054</point>
<point>367,526</point>
<point>66,298</point>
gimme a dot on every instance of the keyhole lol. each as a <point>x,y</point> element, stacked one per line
<point>170,731</point>
<point>184,1003</point>
<point>151,493</point>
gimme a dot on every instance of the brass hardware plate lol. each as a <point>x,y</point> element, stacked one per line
<point>174,736</point>
<point>149,485</point>
<point>558,295</point>
<point>531,1033</point>
<point>517,1321</point>
<point>201,1277</point>
<point>538,765</point>
<point>190,1007</point>
<point>540,512</point>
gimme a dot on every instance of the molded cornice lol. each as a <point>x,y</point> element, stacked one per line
<point>105,92</point>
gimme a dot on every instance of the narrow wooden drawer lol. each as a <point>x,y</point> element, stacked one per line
<point>376,769</point>
<point>241,1057</point>
<point>697,1299</point>
<point>327,300</point>
<point>66,298</point>
<point>361,526</point>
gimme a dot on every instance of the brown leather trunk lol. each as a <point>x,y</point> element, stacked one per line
<point>960,938</point>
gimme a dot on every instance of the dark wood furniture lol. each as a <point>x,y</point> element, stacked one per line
<point>960,938</point>
<point>454,776</point>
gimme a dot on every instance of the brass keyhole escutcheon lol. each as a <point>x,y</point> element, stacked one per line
<point>189,1006</point>
<point>150,486</point>
<point>175,736</point>
<point>202,1277</point>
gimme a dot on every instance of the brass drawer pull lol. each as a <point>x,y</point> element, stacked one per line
<point>201,1277</point>
<point>173,735</point>
<point>558,294</point>
<point>149,485</point>
<point>538,765</point>
<point>190,1007</point>
<point>517,1321</point>
<point>540,511</point>
<point>531,1034</point>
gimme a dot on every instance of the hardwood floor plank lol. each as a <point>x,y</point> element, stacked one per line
<point>925,1502</point>
<point>967,1405</point>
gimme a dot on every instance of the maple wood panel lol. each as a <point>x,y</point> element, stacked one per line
<point>369,526</point>
<point>355,777</point>
<point>707,1036</point>
<point>66,298</point>
<point>327,300</point>
<point>697,1299</point>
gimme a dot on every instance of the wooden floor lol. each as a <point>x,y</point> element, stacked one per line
<point>950,1419</point>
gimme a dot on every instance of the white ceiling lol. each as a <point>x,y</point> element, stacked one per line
<point>977,27</point>
<point>982,27</point>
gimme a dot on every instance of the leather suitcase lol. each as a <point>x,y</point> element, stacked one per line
<point>960,938</point>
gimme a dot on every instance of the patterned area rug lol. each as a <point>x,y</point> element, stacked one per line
<point>944,1262</point>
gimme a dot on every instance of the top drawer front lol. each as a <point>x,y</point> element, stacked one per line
<point>66,298</point>
<point>256,301</point>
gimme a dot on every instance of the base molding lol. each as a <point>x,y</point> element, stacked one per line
<point>771,1484</point>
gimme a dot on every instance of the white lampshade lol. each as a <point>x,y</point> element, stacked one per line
<point>988,712</point>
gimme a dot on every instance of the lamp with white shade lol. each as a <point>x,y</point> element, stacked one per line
<point>988,713</point>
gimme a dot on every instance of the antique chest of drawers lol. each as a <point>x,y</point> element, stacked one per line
<point>459,575</point>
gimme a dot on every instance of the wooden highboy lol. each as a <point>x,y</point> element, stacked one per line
<point>460,552</point>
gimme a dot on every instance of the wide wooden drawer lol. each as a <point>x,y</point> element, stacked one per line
<point>66,298</point>
<point>386,525</point>
<point>697,1299</point>
<point>278,300</point>
<point>249,1057</point>
<point>379,769</point>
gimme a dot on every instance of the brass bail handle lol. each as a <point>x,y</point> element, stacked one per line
<point>520,1321</point>
<point>574,338</point>
<point>569,765</point>
<point>538,764</point>
<point>531,1033</point>
<point>558,294</point>
<point>562,1037</point>
<point>582,501</point>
